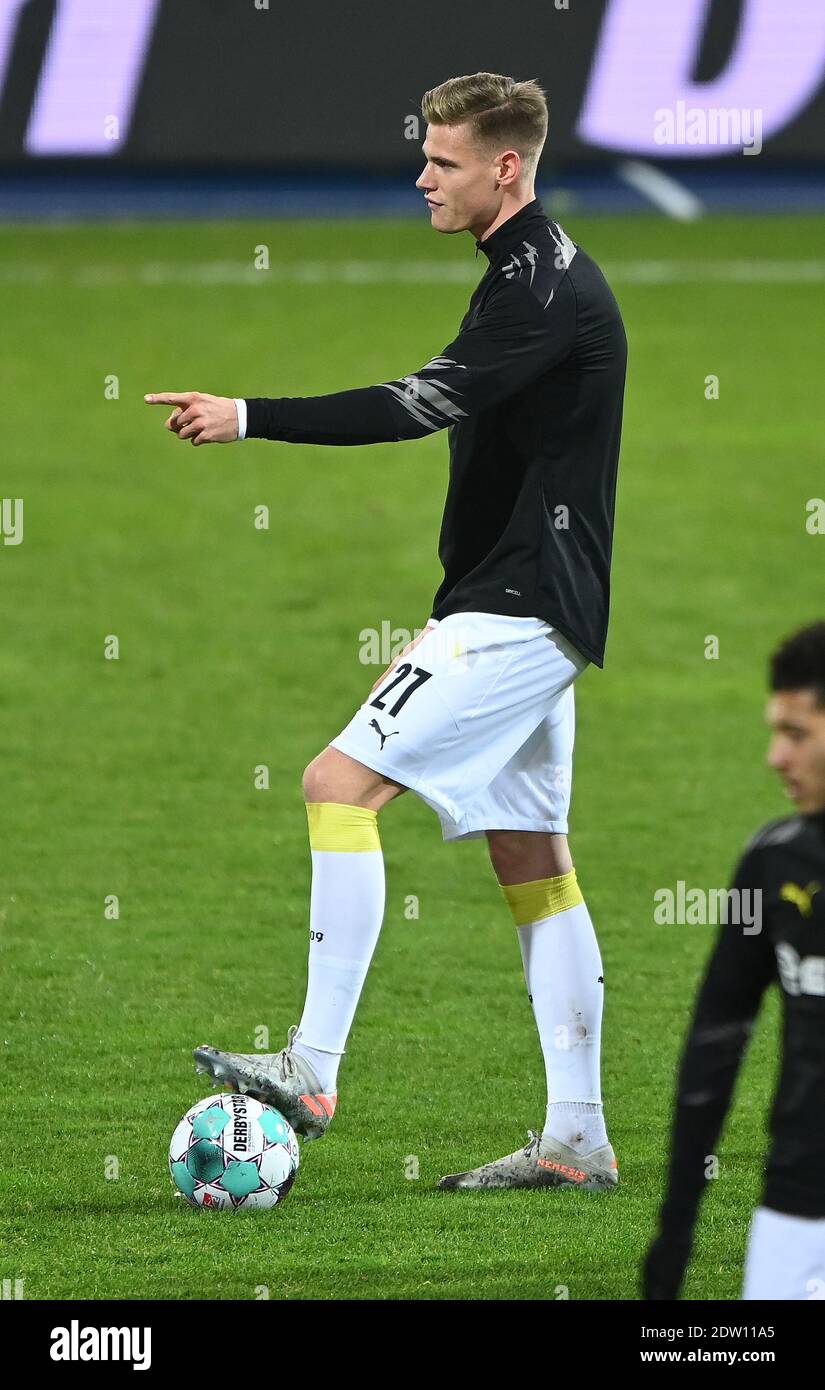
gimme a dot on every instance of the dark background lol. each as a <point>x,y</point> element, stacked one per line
<point>328,85</point>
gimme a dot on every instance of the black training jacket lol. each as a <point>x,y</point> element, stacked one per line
<point>531,393</point>
<point>782,873</point>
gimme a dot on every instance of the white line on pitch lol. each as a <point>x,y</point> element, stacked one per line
<point>661,189</point>
<point>206,273</point>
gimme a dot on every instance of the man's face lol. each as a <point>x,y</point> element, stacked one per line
<point>797,747</point>
<point>460,181</point>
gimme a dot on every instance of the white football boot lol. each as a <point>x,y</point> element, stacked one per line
<point>543,1163</point>
<point>281,1079</point>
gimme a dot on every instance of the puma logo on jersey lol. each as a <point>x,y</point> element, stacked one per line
<point>803,897</point>
<point>383,737</point>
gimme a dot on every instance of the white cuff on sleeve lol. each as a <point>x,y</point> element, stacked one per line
<point>240,406</point>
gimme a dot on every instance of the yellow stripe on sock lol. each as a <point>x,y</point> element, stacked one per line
<point>335,826</point>
<point>544,897</point>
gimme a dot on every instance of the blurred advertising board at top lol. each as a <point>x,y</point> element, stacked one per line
<point>256,83</point>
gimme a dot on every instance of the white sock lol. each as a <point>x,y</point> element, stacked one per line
<point>563,970</point>
<point>324,1064</point>
<point>345,916</point>
<point>575,1123</point>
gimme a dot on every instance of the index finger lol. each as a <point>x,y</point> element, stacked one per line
<point>171,398</point>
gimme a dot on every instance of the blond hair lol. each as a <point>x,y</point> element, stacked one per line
<point>499,111</point>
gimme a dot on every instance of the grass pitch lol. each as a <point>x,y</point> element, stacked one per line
<point>239,647</point>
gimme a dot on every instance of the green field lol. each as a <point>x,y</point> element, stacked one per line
<point>239,647</point>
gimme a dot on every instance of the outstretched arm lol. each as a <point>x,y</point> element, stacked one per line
<point>510,343</point>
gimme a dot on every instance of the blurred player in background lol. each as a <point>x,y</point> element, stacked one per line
<point>477,715</point>
<point>785,864</point>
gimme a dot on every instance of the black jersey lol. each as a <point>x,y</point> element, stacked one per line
<point>531,392</point>
<point>785,864</point>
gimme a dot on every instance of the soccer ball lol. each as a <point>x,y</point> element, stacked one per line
<point>230,1151</point>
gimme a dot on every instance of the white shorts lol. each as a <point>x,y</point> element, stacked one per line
<point>478,720</point>
<point>785,1257</point>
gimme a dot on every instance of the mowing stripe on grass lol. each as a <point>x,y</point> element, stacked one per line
<point>364,272</point>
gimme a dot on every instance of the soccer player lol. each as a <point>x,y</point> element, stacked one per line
<point>784,865</point>
<point>477,714</point>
